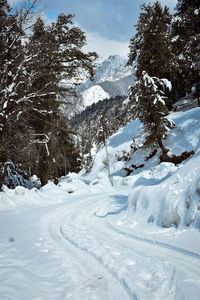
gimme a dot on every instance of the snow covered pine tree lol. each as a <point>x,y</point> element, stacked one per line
<point>31,77</point>
<point>148,100</point>
<point>186,45</point>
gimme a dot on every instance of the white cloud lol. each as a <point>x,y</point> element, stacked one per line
<point>105,47</point>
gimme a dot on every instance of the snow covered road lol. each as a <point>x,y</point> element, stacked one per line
<point>77,249</point>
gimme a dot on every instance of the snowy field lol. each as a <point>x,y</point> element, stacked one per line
<point>85,239</point>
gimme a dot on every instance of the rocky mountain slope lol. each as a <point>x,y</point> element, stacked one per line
<point>111,70</point>
<point>112,78</point>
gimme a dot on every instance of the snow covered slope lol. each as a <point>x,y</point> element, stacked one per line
<point>93,95</point>
<point>164,194</point>
<point>86,239</point>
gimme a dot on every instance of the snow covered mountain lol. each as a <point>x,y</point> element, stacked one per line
<point>112,69</point>
<point>112,78</point>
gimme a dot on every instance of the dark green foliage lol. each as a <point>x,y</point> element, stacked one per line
<point>148,97</point>
<point>34,77</point>
<point>164,51</point>
<point>186,31</point>
<point>11,77</point>
<point>56,55</point>
<point>89,126</point>
<point>151,46</point>
<point>183,5</point>
<point>65,151</point>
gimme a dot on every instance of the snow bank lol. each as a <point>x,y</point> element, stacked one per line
<point>50,194</point>
<point>162,194</point>
<point>186,135</point>
<point>168,195</point>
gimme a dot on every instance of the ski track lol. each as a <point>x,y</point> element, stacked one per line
<point>69,230</point>
<point>86,263</point>
<point>155,243</point>
<point>92,258</point>
<point>100,261</point>
<point>186,263</point>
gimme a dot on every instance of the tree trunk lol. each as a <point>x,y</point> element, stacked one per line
<point>3,158</point>
<point>160,143</point>
<point>43,165</point>
<point>55,171</point>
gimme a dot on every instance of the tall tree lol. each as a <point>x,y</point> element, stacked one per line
<point>11,78</point>
<point>151,45</point>
<point>186,31</point>
<point>56,59</point>
<point>148,100</point>
<point>35,75</point>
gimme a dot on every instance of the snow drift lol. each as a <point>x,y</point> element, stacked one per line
<point>163,194</point>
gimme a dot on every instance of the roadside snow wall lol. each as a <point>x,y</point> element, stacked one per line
<point>169,195</point>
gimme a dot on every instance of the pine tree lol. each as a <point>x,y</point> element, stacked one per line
<point>186,31</point>
<point>151,45</point>
<point>148,99</point>
<point>56,55</point>
<point>34,77</point>
<point>11,56</point>
<point>184,5</point>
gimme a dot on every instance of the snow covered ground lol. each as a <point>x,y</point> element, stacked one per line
<point>85,239</point>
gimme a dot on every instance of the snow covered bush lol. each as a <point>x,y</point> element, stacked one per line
<point>14,176</point>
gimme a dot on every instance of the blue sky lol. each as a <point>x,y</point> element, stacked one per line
<point>107,23</point>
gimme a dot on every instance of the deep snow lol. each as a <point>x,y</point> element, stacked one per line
<point>86,239</point>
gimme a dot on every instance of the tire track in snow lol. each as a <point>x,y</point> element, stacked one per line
<point>186,263</point>
<point>155,242</point>
<point>100,261</point>
<point>72,232</point>
<point>52,228</point>
<point>79,215</point>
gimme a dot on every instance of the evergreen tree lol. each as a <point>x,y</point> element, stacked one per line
<point>33,78</point>
<point>56,55</point>
<point>184,5</point>
<point>148,100</point>
<point>11,57</point>
<point>186,31</point>
<point>151,46</point>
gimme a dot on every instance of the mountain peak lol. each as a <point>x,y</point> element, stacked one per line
<point>112,78</point>
<point>112,68</point>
